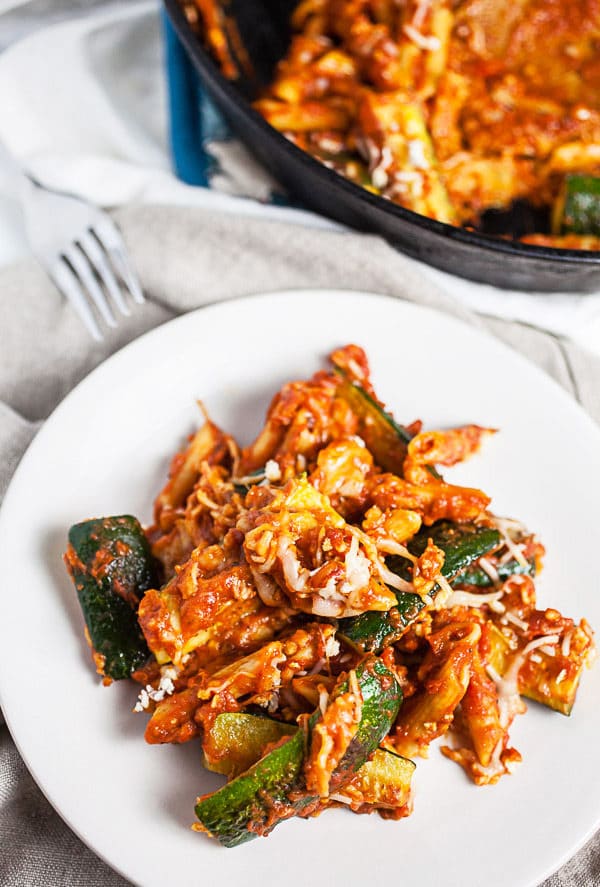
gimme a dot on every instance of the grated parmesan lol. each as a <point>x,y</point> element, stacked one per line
<point>166,687</point>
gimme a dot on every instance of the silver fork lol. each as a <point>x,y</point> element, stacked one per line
<point>80,247</point>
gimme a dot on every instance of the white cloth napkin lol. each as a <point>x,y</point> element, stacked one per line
<point>83,106</point>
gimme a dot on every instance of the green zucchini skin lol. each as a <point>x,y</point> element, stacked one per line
<point>269,790</point>
<point>383,436</point>
<point>577,210</point>
<point>242,489</point>
<point>111,565</point>
<point>382,698</point>
<point>478,577</point>
<point>462,544</point>
<point>382,778</point>
<point>274,788</point>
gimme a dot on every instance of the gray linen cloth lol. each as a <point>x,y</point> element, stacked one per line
<point>187,258</point>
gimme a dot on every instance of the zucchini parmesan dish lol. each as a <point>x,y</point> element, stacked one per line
<point>316,609</point>
<point>483,114</point>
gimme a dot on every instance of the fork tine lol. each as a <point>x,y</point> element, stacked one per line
<point>84,272</point>
<point>97,258</point>
<point>69,285</point>
<point>110,238</point>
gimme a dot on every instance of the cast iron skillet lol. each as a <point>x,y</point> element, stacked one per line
<point>477,256</point>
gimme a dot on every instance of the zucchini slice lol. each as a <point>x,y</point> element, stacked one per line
<point>381,783</point>
<point>577,208</point>
<point>255,802</point>
<point>383,436</point>
<point>462,544</point>
<point>382,698</point>
<point>111,565</point>
<point>274,788</point>
<point>475,575</point>
<point>552,680</point>
<point>236,740</point>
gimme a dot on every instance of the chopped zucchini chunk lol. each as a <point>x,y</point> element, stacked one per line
<point>110,563</point>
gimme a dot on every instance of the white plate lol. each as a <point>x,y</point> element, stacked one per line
<point>106,450</point>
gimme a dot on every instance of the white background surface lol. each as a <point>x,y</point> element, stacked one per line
<point>106,450</point>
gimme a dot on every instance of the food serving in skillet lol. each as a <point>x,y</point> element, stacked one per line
<point>479,113</point>
<point>317,608</point>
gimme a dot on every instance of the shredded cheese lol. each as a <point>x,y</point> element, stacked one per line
<point>561,675</point>
<point>332,646</point>
<point>323,699</point>
<point>416,154</point>
<point>503,525</point>
<point>379,179</point>
<point>316,669</point>
<point>249,479</point>
<point>422,8</point>
<point>386,575</point>
<point>267,589</point>
<point>342,799</point>
<point>356,564</point>
<point>295,575</point>
<point>272,471</point>
<point>469,599</point>
<point>166,687</point>
<point>390,546</point>
<point>445,591</point>
<point>490,570</point>
<point>509,700</point>
<point>430,43</point>
<point>205,500</point>
<point>516,621</point>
